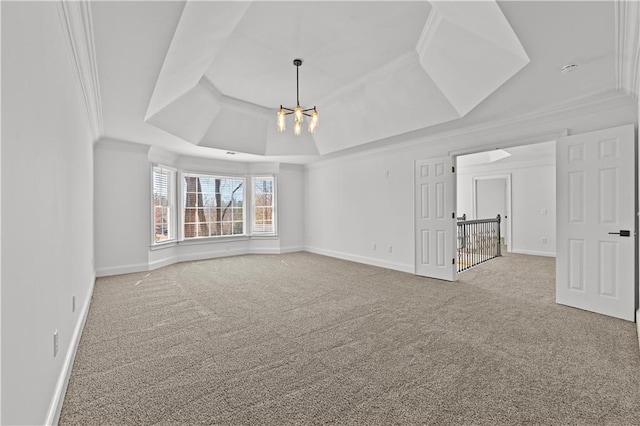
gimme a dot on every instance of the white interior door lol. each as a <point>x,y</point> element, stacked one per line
<point>435,219</point>
<point>595,267</point>
<point>491,198</point>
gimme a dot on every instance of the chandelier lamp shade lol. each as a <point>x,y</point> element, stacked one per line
<point>298,112</point>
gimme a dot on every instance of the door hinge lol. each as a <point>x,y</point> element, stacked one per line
<point>453,261</point>
<point>453,169</point>
<point>453,215</point>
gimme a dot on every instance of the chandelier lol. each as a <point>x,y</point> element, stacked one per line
<point>298,112</point>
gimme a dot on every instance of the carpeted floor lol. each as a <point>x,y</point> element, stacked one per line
<point>302,338</point>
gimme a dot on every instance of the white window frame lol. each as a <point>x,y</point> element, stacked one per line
<point>212,238</point>
<point>255,234</point>
<point>173,204</point>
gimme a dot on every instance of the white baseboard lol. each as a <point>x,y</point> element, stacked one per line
<point>534,253</point>
<point>210,255</point>
<point>142,267</point>
<point>272,250</point>
<point>156,264</point>
<point>402,267</point>
<point>291,249</point>
<point>638,325</point>
<point>55,407</point>
<point>124,269</point>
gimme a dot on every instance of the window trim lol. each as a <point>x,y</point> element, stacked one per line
<point>212,238</point>
<point>274,234</point>
<point>174,222</point>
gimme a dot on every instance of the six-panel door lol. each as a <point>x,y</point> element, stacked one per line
<point>435,226</point>
<point>595,202</point>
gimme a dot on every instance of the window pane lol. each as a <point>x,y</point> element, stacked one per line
<point>220,198</point>
<point>263,202</point>
<point>163,182</point>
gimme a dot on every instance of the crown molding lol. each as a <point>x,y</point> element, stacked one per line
<point>492,130</point>
<point>77,24</point>
<point>627,16</point>
<point>583,105</point>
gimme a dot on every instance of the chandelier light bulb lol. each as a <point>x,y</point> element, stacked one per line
<point>280,123</point>
<point>313,123</point>
<point>297,113</point>
<point>297,128</point>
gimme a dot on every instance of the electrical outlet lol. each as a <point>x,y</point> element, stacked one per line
<point>544,240</point>
<point>373,246</point>
<point>543,211</point>
<point>55,343</point>
<point>73,303</point>
<point>390,249</point>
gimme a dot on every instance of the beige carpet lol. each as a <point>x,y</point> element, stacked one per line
<point>301,338</point>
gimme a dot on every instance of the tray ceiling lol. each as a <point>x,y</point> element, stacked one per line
<point>373,69</point>
<point>203,78</point>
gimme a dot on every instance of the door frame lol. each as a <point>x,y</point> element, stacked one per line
<point>507,225</point>
<point>505,141</point>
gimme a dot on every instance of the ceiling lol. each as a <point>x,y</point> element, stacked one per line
<point>204,78</point>
<point>539,153</point>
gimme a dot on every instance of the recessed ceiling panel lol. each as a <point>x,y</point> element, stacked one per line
<point>339,42</point>
<point>203,29</point>
<point>237,130</point>
<point>189,116</point>
<point>469,55</point>
<point>384,104</point>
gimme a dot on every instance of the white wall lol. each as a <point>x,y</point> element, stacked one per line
<point>123,209</point>
<point>290,207</point>
<point>47,209</point>
<point>122,197</point>
<point>533,190</point>
<point>351,203</point>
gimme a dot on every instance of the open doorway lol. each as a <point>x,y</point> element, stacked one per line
<point>517,183</point>
<point>595,215</point>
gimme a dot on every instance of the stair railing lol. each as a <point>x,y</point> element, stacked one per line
<point>478,241</point>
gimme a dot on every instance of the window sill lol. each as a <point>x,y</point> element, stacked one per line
<point>163,245</point>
